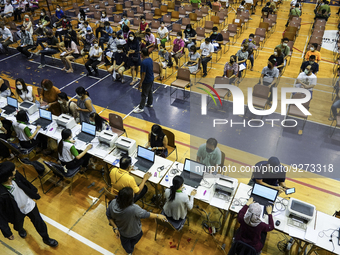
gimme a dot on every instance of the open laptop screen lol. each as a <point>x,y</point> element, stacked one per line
<point>88,128</point>
<point>193,167</point>
<point>265,192</point>
<point>45,114</point>
<point>145,153</point>
<point>12,102</point>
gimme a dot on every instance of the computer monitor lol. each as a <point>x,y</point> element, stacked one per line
<point>193,167</point>
<point>265,192</point>
<point>88,128</point>
<point>145,153</point>
<point>12,102</point>
<point>45,114</point>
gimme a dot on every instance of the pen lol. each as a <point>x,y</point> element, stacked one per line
<point>204,192</point>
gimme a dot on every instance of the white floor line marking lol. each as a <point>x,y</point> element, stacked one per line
<point>76,236</point>
<point>82,76</point>
<point>10,56</point>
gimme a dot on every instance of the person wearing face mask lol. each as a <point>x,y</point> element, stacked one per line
<point>158,141</point>
<point>231,69</point>
<point>269,76</point>
<point>101,26</point>
<point>313,51</point>
<point>190,36</point>
<point>312,63</point>
<point>106,34</point>
<point>164,61</point>
<point>5,88</point>
<point>19,9</point>
<point>294,12</point>
<point>23,92</point>
<point>70,53</point>
<point>194,58</point>
<point>178,48</point>
<point>149,41</point>
<point>142,27</point>
<point>266,10</point>
<point>26,43</point>
<point>88,40</point>
<point>124,21</point>
<point>306,80</point>
<point>99,122</point>
<point>81,30</point>
<point>72,34</point>
<point>119,63</point>
<point>215,38</point>
<point>85,106</point>
<point>43,24</point>
<point>62,28</point>
<point>110,49</point>
<point>162,34</point>
<point>279,64</point>
<point>67,106</point>
<point>49,97</point>
<point>51,49</point>
<point>59,13</point>
<point>82,17</point>
<point>7,37</point>
<point>8,10</point>
<point>284,47</point>
<point>95,56</point>
<point>177,202</point>
<point>209,154</point>
<point>27,24</point>
<point>241,58</point>
<point>133,55</point>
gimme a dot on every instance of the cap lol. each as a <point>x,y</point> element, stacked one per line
<point>274,161</point>
<point>88,29</point>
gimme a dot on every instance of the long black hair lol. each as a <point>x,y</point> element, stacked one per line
<point>82,14</point>
<point>157,129</point>
<point>177,182</point>
<point>99,121</point>
<point>125,197</point>
<point>24,87</point>
<point>22,116</point>
<point>66,133</point>
<point>81,91</point>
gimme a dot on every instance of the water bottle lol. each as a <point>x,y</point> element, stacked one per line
<point>167,178</point>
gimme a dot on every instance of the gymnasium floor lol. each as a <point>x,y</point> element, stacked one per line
<point>79,223</point>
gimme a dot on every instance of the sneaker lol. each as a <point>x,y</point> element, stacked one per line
<point>138,110</point>
<point>22,233</point>
<point>31,56</point>
<point>51,242</point>
<point>204,75</point>
<point>41,66</point>
<point>122,81</point>
<point>149,105</point>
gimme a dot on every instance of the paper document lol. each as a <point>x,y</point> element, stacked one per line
<point>296,232</point>
<point>216,202</point>
<point>80,144</point>
<point>311,235</point>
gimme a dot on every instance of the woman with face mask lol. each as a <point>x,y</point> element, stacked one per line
<point>162,34</point>
<point>70,52</point>
<point>231,69</point>
<point>143,25</point>
<point>27,24</point>
<point>241,58</point>
<point>95,56</point>
<point>158,141</point>
<point>24,92</point>
<point>190,36</point>
<point>279,59</point>
<point>68,107</point>
<point>99,122</point>
<point>133,55</point>
<point>62,28</point>
<point>194,58</point>
<point>85,106</point>
<point>49,97</point>
<point>44,23</point>
<point>178,48</point>
<point>59,13</point>
<point>101,26</point>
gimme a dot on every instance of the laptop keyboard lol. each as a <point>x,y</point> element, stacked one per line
<point>85,137</point>
<point>8,109</point>
<point>42,122</point>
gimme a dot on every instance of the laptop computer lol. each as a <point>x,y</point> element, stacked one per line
<point>88,132</point>
<point>192,173</point>
<point>12,105</point>
<point>145,158</point>
<point>44,120</point>
<point>264,195</point>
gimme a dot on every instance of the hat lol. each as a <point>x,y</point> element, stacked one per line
<point>274,161</point>
<point>88,29</point>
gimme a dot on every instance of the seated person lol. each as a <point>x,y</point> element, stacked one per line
<point>295,12</point>
<point>241,58</point>
<point>8,10</point>
<point>216,37</point>
<point>26,43</point>
<point>43,24</point>
<point>315,66</point>
<point>231,69</point>
<point>59,13</point>
<point>209,154</point>
<point>242,5</point>
<point>142,27</point>
<point>194,58</point>
<point>62,28</point>
<point>177,202</point>
<point>190,36</point>
<point>306,80</point>
<point>70,53</point>
<point>284,47</point>
<point>106,33</point>
<point>51,49</point>
<point>164,60</point>
<point>5,88</point>
<point>251,48</point>
<point>149,41</point>
<point>321,15</point>
<point>110,49</point>
<point>6,37</point>
<point>253,231</point>
<point>313,51</point>
<point>5,133</point>
<point>269,76</point>
<point>267,10</point>
<point>101,26</point>
<point>119,63</point>
<point>99,122</point>
<point>206,49</point>
<point>24,92</point>
<point>88,40</point>
<point>72,34</point>
<point>279,64</point>
<point>68,154</point>
<point>95,56</point>
<point>124,22</point>
<point>217,3</point>
<point>158,141</point>
<point>178,48</point>
<point>82,30</point>
<point>82,17</point>
<point>121,178</point>
<point>162,34</point>
<point>19,8</point>
<point>269,173</point>
<point>67,106</point>
<point>336,102</point>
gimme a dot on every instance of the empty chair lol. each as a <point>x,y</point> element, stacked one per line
<point>208,26</point>
<point>261,32</point>
<point>155,5</point>
<point>226,40</point>
<point>182,81</point>
<point>127,6</point>
<point>140,12</point>
<point>294,111</point>
<point>193,18</point>
<point>148,17</point>
<point>182,12</point>
<point>175,28</point>
<point>260,96</point>
<point>135,26</point>
<point>232,30</point>
<point>164,9</point>
<point>185,22</point>
<point>155,24</point>
<point>136,3</point>
<point>222,92</point>
<point>116,124</point>
<point>200,33</point>
<point>158,13</point>
<point>188,8</point>
<point>174,15</point>
<point>167,19</point>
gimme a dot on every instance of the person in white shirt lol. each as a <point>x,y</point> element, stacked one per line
<point>306,80</point>
<point>162,34</point>
<point>95,56</point>
<point>7,37</point>
<point>70,52</point>
<point>177,202</point>
<point>206,50</point>
<point>8,10</point>
<point>24,92</point>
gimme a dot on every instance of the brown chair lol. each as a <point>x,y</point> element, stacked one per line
<point>116,124</point>
<point>171,142</point>
<point>109,196</point>
<point>185,22</point>
<point>232,30</point>
<point>215,9</point>
<point>130,14</point>
<point>155,5</point>
<point>273,17</point>
<point>149,17</point>
<point>157,14</point>
<point>188,8</point>
<point>182,81</point>
<point>127,5</point>
<point>193,17</point>
<point>175,28</point>
<point>167,19</point>
<point>135,26</point>
<point>136,3</point>
<point>208,26</point>
<point>294,111</point>
<point>174,15</point>
<point>226,40</point>
<point>140,12</point>
<point>260,96</point>
<point>264,25</point>
<point>223,18</point>
<point>164,9</point>
<point>155,24</point>
<point>148,8</point>
<point>216,20</point>
<point>119,9</point>
<point>199,69</point>
<point>171,6</point>
<point>199,15</point>
<point>182,12</point>
<point>205,11</point>
<point>222,92</point>
<point>200,31</point>
<point>261,32</point>
<point>156,69</point>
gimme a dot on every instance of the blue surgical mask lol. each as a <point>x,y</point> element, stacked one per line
<point>93,122</point>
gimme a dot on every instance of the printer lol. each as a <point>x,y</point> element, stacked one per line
<point>107,138</point>
<point>126,145</point>
<point>226,185</point>
<point>66,121</point>
<point>300,211</point>
<point>28,107</point>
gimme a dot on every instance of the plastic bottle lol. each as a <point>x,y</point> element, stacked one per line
<point>167,178</point>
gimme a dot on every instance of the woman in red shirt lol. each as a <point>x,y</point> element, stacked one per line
<point>142,26</point>
<point>252,230</point>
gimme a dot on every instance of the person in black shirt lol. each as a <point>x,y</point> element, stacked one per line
<point>72,34</point>
<point>216,37</point>
<point>267,10</point>
<point>311,61</point>
<point>133,54</point>
<point>278,58</point>
<point>51,49</point>
<point>190,36</point>
<point>158,141</point>
<point>5,90</point>
<point>63,25</point>
<point>119,61</point>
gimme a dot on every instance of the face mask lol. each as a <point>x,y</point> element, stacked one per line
<point>275,53</point>
<point>215,33</point>
<point>79,96</point>
<point>250,40</point>
<point>306,71</point>
<point>312,48</point>
<point>19,87</point>
<point>92,122</point>
<point>82,21</point>
<point>27,20</point>
<point>96,45</point>
<point>242,48</point>
<point>208,150</point>
<point>58,9</point>
<point>284,44</point>
<point>311,62</point>
<point>103,15</point>
<point>143,21</point>
<point>60,101</point>
<point>42,14</point>
<point>231,61</point>
<point>64,20</point>
<point>188,29</point>
<point>178,37</point>
<point>131,38</point>
<point>45,89</point>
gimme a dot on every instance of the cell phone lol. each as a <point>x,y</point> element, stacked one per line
<point>290,191</point>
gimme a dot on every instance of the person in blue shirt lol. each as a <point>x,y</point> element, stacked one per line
<point>106,34</point>
<point>146,81</point>
<point>59,13</point>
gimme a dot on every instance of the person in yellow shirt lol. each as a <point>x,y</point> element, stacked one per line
<point>121,178</point>
<point>313,51</point>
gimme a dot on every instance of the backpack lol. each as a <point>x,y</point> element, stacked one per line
<point>37,165</point>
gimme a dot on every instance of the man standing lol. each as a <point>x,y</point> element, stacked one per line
<point>16,202</point>
<point>146,81</point>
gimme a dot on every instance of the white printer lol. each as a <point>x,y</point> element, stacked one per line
<point>28,107</point>
<point>226,185</point>
<point>126,145</point>
<point>300,211</point>
<point>107,138</point>
<point>66,121</point>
